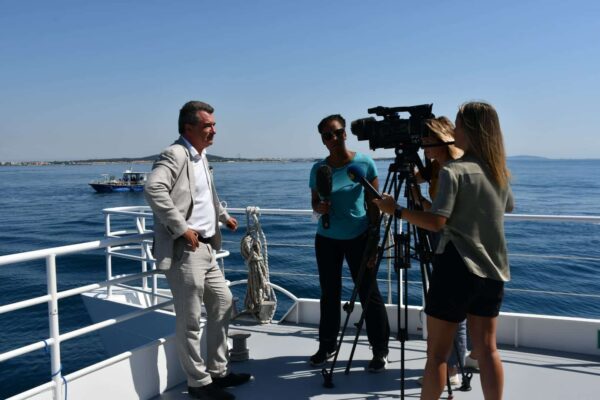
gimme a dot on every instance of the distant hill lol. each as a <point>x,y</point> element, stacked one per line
<point>151,158</point>
<point>134,160</point>
<point>211,158</point>
<point>526,157</point>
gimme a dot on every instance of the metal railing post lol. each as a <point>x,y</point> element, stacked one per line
<point>389,244</point>
<point>55,363</point>
<point>139,223</point>
<point>147,251</point>
<point>401,271</point>
<point>107,233</point>
<point>108,271</point>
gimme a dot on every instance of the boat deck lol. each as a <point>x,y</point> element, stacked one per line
<point>279,353</point>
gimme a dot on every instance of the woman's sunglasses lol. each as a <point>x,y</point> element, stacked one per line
<point>329,135</point>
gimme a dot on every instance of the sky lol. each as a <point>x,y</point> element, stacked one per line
<point>105,79</point>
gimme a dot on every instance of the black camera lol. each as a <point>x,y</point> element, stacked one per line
<point>392,131</point>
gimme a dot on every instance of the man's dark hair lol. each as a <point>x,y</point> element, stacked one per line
<point>187,114</point>
<point>334,117</point>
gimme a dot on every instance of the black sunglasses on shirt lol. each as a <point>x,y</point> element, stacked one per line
<point>329,135</point>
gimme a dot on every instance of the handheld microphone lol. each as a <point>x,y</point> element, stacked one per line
<point>356,174</point>
<point>324,189</point>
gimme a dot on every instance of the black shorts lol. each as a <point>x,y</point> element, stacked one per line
<point>455,292</point>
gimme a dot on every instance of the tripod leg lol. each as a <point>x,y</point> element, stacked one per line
<point>359,326</point>
<point>448,385</point>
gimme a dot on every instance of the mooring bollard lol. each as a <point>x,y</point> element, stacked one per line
<point>240,351</point>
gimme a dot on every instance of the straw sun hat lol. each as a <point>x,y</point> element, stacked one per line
<point>443,130</point>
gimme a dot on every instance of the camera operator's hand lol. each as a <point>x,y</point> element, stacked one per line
<point>387,204</point>
<point>323,207</point>
<point>418,197</point>
<point>415,191</point>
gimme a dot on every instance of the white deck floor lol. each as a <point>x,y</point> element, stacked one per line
<point>279,353</point>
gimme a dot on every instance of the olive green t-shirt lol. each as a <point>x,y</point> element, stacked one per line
<point>475,207</point>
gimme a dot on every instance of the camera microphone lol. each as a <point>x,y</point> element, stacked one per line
<point>356,174</point>
<point>324,189</point>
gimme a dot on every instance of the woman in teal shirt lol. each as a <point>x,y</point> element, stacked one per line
<point>345,238</point>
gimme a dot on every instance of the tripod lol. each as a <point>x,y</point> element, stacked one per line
<point>400,173</point>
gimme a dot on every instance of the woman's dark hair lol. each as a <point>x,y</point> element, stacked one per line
<point>187,114</point>
<point>333,117</point>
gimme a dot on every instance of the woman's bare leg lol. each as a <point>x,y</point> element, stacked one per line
<point>440,337</point>
<point>483,338</point>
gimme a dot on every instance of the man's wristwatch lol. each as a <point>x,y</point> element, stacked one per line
<point>398,211</point>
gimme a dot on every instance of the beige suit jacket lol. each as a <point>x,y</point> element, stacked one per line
<point>169,192</point>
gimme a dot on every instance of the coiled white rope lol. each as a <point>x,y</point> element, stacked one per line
<point>253,249</point>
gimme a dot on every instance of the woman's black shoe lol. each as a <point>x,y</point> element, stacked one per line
<point>320,357</point>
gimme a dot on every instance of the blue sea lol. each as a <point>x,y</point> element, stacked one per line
<point>51,206</point>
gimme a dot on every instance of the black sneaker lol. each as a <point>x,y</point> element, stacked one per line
<point>232,379</point>
<point>210,391</point>
<point>378,363</point>
<point>320,357</point>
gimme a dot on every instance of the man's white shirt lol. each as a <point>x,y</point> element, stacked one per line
<point>202,219</point>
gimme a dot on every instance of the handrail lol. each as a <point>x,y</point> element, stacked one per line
<point>145,211</point>
<point>70,249</point>
<point>136,239</point>
<point>71,292</point>
<point>55,338</point>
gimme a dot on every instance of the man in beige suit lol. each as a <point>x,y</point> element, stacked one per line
<point>181,192</point>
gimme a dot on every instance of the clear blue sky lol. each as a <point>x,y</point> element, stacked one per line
<point>87,79</point>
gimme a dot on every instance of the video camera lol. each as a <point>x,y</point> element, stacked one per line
<point>392,131</point>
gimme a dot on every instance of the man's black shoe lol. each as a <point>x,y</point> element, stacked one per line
<point>320,357</point>
<point>232,380</point>
<point>209,392</point>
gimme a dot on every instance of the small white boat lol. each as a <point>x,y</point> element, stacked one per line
<point>131,181</point>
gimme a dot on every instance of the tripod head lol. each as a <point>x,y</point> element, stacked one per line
<point>402,169</point>
<point>407,157</point>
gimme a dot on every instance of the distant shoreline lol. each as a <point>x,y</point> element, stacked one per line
<point>145,160</point>
<point>213,159</point>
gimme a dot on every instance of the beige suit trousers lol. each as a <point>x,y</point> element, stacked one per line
<point>195,278</point>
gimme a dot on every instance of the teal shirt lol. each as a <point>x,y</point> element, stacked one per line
<point>347,215</point>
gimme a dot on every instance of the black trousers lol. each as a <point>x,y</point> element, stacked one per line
<point>330,257</point>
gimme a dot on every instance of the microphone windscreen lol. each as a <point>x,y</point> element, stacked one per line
<point>355,173</point>
<point>324,180</point>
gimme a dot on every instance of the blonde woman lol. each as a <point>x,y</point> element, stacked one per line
<point>441,131</point>
<point>471,258</point>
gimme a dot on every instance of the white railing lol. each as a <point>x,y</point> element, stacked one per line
<point>389,280</point>
<point>134,244</point>
<point>140,213</point>
<point>55,338</point>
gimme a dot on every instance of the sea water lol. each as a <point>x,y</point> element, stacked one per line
<point>50,206</point>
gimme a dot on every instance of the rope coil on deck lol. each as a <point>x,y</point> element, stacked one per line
<point>260,298</point>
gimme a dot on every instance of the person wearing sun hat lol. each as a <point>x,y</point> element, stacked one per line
<point>440,131</point>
